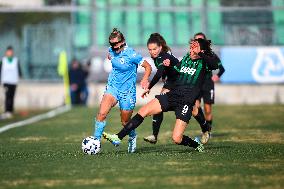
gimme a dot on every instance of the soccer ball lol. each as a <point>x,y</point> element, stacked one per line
<point>91,146</point>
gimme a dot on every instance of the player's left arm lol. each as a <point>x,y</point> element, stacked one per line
<point>221,68</point>
<point>211,60</point>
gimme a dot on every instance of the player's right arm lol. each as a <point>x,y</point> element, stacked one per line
<point>157,76</point>
<point>145,79</point>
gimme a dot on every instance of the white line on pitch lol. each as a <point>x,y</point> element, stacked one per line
<point>37,118</point>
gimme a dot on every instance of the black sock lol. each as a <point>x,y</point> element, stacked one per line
<point>210,122</point>
<point>156,123</point>
<point>200,118</point>
<point>187,141</point>
<point>131,125</point>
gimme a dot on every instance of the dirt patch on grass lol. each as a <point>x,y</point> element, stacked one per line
<point>54,183</point>
<point>257,136</point>
<point>30,139</point>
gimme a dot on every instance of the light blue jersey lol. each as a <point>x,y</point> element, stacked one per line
<point>122,86</point>
<point>124,69</point>
<point>122,79</point>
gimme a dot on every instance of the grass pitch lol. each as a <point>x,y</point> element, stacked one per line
<point>246,151</point>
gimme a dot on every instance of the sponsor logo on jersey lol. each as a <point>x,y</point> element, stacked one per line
<point>188,70</point>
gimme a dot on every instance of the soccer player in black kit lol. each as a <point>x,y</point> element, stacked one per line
<point>160,53</point>
<point>180,99</point>
<point>207,92</point>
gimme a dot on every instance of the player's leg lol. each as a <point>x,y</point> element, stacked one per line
<point>108,101</point>
<point>151,108</point>
<point>8,102</point>
<point>125,117</point>
<point>208,112</point>
<point>209,99</point>
<point>183,114</point>
<point>13,92</point>
<point>127,104</point>
<point>200,118</point>
<point>156,124</point>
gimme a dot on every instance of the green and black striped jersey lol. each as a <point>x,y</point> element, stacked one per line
<point>192,72</point>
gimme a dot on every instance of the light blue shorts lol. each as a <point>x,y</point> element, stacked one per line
<point>126,100</point>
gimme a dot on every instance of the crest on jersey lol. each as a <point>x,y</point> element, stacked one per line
<point>269,65</point>
<point>122,61</point>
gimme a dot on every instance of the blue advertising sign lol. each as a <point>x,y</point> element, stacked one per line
<point>253,64</point>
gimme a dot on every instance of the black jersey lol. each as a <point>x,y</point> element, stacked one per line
<point>220,67</point>
<point>167,72</point>
<point>193,72</point>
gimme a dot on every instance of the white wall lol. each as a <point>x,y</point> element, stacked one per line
<point>49,95</point>
<point>17,3</point>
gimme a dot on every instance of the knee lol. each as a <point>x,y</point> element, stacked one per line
<point>143,111</point>
<point>177,139</point>
<point>194,111</point>
<point>101,116</point>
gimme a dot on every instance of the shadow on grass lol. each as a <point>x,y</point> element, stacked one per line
<point>168,149</point>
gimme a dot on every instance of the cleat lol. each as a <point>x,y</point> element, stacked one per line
<point>132,144</point>
<point>200,147</point>
<point>205,136</point>
<point>112,138</point>
<point>151,139</point>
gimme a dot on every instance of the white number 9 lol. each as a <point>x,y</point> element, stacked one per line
<point>184,110</point>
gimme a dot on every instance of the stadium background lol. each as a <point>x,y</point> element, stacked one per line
<point>247,35</point>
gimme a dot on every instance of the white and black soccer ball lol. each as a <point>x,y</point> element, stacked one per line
<point>91,146</point>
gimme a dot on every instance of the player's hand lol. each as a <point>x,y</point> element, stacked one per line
<point>195,47</point>
<point>109,56</point>
<point>194,50</point>
<point>167,62</point>
<point>145,93</point>
<point>144,84</point>
<point>215,78</point>
<point>74,87</point>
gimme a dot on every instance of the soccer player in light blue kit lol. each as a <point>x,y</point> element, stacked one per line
<point>121,85</point>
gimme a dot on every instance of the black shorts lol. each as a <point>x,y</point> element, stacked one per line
<point>169,85</point>
<point>179,100</point>
<point>207,92</point>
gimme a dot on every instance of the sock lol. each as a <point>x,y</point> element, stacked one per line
<point>204,125</point>
<point>132,134</point>
<point>131,125</point>
<point>187,141</point>
<point>200,117</point>
<point>99,129</point>
<point>210,126</point>
<point>156,123</point>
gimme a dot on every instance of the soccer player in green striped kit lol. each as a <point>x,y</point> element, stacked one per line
<point>180,99</point>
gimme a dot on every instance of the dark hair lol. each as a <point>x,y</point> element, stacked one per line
<point>200,33</point>
<point>159,40</point>
<point>9,47</point>
<point>116,33</point>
